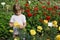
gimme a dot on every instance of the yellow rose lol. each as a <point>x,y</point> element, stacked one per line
<point>59,28</point>
<point>38,30</point>
<point>48,39</point>
<point>32,32</point>
<point>46,21</point>
<point>55,22</point>
<point>55,25</point>
<point>39,27</point>
<point>16,38</point>
<point>16,24</point>
<point>10,30</point>
<point>58,37</point>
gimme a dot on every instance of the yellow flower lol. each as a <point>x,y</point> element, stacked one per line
<point>48,39</point>
<point>38,30</point>
<point>16,38</point>
<point>10,30</point>
<point>16,24</point>
<point>58,37</point>
<point>32,32</point>
<point>46,21</point>
<point>59,28</point>
<point>55,22</point>
<point>55,25</point>
<point>39,27</point>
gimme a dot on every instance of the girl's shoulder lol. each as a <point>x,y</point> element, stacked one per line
<point>23,15</point>
<point>13,15</point>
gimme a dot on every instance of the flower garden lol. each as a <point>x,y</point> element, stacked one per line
<point>42,16</point>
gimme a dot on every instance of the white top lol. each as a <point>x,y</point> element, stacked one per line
<point>20,19</point>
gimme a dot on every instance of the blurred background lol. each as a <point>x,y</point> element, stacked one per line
<point>43,19</point>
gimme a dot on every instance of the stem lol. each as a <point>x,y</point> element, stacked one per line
<point>3,6</point>
<point>33,37</point>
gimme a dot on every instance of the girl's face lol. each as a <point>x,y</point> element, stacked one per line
<point>18,12</point>
<point>18,9</point>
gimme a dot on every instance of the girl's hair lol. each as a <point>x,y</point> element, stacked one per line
<point>16,8</point>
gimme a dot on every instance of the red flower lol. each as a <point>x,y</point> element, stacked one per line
<point>48,18</point>
<point>29,14</point>
<point>16,0</point>
<point>48,3</point>
<point>35,8</point>
<point>43,6</point>
<point>40,2</point>
<point>27,10</point>
<point>59,13</point>
<point>26,4</point>
<point>41,20</point>
<point>50,9</point>
<point>53,12</point>
<point>35,14</point>
<point>44,13</point>
<point>56,7</point>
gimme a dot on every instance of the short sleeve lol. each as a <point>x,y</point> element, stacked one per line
<point>12,19</point>
<point>24,19</point>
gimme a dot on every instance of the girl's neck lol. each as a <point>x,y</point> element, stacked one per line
<point>18,14</point>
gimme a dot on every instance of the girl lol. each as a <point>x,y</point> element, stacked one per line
<point>19,18</point>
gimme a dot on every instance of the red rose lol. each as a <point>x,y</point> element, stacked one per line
<point>44,13</point>
<point>41,20</point>
<point>50,9</point>
<point>48,3</point>
<point>59,13</point>
<point>29,14</point>
<point>43,6</point>
<point>56,7</point>
<point>26,4</point>
<point>40,2</point>
<point>53,12</point>
<point>27,10</point>
<point>48,18</point>
<point>35,14</point>
<point>16,0</point>
<point>35,8</point>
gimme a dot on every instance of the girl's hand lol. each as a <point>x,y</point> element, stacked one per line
<point>21,26</point>
<point>11,24</point>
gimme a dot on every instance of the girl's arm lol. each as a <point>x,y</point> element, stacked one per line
<point>23,26</point>
<point>11,24</point>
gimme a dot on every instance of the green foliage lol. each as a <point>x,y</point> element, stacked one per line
<point>32,22</point>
